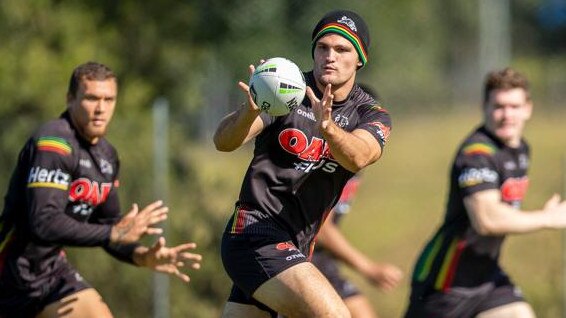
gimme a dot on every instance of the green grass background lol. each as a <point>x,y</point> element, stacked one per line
<point>401,201</point>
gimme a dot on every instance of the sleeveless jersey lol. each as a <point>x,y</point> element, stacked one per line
<point>62,192</point>
<point>293,181</point>
<point>457,255</point>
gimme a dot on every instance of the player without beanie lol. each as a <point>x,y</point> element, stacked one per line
<point>347,24</point>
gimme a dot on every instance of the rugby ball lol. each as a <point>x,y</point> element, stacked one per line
<point>277,86</point>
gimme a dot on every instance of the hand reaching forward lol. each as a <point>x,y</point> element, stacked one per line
<point>168,260</point>
<point>322,108</point>
<point>135,225</point>
<point>246,89</point>
<point>385,276</point>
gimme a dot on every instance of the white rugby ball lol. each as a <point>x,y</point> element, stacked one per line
<point>277,86</point>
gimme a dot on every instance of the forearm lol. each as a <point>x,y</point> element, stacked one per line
<point>490,216</point>
<point>125,252</point>
<point>237,128</point>
<point>58,228</point>
<point>353,151</point>
<point>510,221</point>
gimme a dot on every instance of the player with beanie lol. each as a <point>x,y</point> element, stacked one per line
<point>301,163</point>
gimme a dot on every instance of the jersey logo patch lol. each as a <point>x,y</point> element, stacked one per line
<point>44,178</point>
<point>473,176</point>
<point>54,144</point>
<point>89,191</point>
<point>514,189</point>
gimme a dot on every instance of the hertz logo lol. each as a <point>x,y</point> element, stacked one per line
<point>44,178</point>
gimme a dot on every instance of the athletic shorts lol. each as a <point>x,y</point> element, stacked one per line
<point>25,295</point>
<point>252,259</point>
<point>328,266</point>
<point>460,302</point>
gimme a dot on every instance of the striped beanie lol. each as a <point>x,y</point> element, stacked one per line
<point>347,24</point>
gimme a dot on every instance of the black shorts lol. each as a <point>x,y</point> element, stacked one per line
<point>25,295</point>
<point>460,302</point>
<point>327,265</point>
<point>250,260</point>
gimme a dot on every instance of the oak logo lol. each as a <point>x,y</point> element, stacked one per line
<point>88,191</point>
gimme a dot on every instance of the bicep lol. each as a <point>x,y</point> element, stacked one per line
<point>482,207</point>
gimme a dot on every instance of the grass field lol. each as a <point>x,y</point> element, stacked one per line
<point>401,201</point>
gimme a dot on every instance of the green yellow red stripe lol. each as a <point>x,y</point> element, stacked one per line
<point>425,263</point>
<point>348,34</point>
<point>449,265</point>
<point>54,144</point>
<point>479,149</point>
<point>237,221</point>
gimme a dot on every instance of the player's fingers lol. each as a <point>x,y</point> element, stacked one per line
<point>183,277</point>
<point>191,257</point>
<point>185,246</point>
<point>156,218</point>
<point>153,231</point>
<point>152,207</point>
<point>133,211</point>
<point>244,87</point>
<point>311,95</point>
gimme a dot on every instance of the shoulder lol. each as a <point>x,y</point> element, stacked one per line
<point>479,143</point>
<point>55,136</point>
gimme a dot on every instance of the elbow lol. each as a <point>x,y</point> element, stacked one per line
<point>360,163</point>
<point>43,233</point>
<point>220,145</point>
<point>486,228</point>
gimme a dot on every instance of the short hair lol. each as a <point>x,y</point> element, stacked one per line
<point>93,71</point>
<point>506,78</point>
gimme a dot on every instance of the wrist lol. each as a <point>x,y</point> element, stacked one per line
<point>139,256</point>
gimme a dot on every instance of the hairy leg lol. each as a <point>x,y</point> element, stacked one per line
<point>360,307</point>
<point>513,310</point>
<point>86,303</point>
<point>235,310</point>
<point>301,291</point>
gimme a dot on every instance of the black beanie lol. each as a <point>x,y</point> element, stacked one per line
<point>347,24</point>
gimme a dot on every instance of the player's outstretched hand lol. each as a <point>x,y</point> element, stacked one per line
<point>169,260</point>
<point>555,209</point>
<point>383,275</point>
<point>322,107</point>
<point>136,224</point>
<point>246,89</point>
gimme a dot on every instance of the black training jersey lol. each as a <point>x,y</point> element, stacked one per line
<point>293,180</point>
<point>62,192</point>
<point>457,255</point>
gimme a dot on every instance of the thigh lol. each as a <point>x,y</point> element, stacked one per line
<point>250,260</point>
<point>301,291</point>
<point>237,310</point>
<point>86,303</point>
<point>517,309</point>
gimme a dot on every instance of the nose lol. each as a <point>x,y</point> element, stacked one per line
<point>330,55</point>
<point>100,106</point>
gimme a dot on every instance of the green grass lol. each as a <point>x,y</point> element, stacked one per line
<point>401,202</point>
